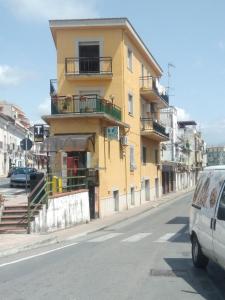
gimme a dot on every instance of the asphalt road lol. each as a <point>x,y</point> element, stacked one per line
<point>145,257</point>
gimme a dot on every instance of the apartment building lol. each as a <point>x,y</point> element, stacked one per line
<point>215,155</point>
<point>10,152</point>
<point>184,155</point>
<point>105,111</point>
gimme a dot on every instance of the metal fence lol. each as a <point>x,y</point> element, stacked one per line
<point>88,65</point>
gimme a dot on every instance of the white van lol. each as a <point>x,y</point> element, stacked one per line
<point>207,218</point>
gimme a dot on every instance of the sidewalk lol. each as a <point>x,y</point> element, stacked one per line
<point>15,243</point>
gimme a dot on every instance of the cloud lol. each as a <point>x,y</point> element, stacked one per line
<point>53,9</point>
<point>11,75</point>
<point>182,115</point>
<point>44,108</point>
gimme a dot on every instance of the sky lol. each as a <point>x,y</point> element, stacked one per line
<point>189,34</point>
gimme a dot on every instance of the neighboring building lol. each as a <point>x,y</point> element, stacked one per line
<point>184,155</point>
<point>169,153</point>
<point>10,152</point>
<point>105,111</point>
<point>215,156</point>
<point>14,112</point>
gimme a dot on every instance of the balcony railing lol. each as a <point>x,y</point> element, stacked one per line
<point>148,124</point>
<point>88,65</point>
<point>84,104</point>
<point>149,83</point>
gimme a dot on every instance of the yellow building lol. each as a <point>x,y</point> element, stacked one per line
<point>105,110</point>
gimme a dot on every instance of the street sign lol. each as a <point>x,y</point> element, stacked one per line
<point>113,133</point>
<point>39,133</point>
<point>26,144</point>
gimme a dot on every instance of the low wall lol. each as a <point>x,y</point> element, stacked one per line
<point>64,210</point>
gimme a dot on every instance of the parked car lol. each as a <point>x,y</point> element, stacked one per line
<point>11,170</point>
<point>207,218</point>
<point>21,176</point>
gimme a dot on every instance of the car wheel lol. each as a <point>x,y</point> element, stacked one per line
<point>11,185</point>
<point>198,258</point>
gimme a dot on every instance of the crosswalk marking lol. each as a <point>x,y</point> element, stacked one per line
<point>136,237</point>
<point>105,237</point>
<point>165,238</point>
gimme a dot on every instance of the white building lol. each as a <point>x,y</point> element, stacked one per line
<point>10,137</point>
<point>184,155</point>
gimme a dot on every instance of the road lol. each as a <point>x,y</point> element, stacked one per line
<point>8,192</point>
<point>145,257</point>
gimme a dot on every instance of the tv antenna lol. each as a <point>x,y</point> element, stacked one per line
<point>169,66</point>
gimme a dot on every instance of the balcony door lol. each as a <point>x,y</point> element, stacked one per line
<point>89,61</point>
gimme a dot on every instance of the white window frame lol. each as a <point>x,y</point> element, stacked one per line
<point>129,59</point>
<point>130,104</point>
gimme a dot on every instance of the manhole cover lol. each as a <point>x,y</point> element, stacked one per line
<point>167,273</point>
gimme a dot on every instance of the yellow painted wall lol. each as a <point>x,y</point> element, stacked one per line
<point>114,168</point>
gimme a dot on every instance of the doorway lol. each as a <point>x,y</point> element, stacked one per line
<point>132,195</point>
<point>89,61</point>
<point>116,200</point>
<point>157,187</point>
<point>147,190</point>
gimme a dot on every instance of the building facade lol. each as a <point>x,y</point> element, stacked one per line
<point>215,156</point>
<point>184,155</point>
<point>106,111</point>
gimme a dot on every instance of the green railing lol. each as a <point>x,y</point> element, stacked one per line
<point>84,104</point>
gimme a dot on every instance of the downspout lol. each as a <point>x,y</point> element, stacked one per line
<point>123,107</point>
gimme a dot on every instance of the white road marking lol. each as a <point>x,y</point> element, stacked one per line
<point>105,237</point>
<point>136,237</point>
<point>165,238</point>
<point>36,255</point>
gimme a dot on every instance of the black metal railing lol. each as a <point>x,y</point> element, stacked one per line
<point>149,83</point>
<point>88,65</point>
<point>90,103</point>
<point>148,124</point>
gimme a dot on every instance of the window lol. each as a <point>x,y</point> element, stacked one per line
<point>129,59</point>
<point>132,161</point>
<point>130,104</point>
<point>89,53</point>
<point>144,155</point>
<point>156,156</point>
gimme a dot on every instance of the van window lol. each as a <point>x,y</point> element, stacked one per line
<point>202,191</point>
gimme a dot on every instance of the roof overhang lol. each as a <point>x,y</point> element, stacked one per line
<point>97,115</point>
<point>123,23</point>
<point>68,142</point>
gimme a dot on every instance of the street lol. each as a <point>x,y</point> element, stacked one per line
<point>145,257</point>
<point>9,192</point>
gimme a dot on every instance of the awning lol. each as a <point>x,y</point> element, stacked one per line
<point>72,142</point>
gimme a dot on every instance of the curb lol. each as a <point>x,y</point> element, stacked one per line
<point>56,239</point>
<point>35,245</point>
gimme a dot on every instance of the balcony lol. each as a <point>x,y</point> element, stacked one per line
<point>150,91</point>
<point>88,68</point>
<point>86,106</point>
<point>153,130</point>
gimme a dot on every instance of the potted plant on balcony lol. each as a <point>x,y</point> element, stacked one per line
<point>66,103</point>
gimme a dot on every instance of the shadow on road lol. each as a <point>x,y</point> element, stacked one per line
<point>207,283</point>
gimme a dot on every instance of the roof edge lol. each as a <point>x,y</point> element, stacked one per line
<point>123,22</point>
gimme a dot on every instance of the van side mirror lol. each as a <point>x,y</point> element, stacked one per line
<point>221,213</point>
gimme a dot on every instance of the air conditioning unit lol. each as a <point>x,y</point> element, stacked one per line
<point>124,140</point>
